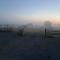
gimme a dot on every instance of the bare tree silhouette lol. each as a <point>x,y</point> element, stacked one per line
<point>21,29</point>
<point>48,27</point>
<point>0,28</point>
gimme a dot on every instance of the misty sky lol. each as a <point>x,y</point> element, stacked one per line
<point>25,11</point>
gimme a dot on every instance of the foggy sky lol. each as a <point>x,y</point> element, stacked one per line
<point>25,11</point>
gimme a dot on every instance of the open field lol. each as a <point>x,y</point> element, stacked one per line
<point>33,47</point>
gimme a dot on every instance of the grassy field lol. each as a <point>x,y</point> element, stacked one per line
<point>29,47</point>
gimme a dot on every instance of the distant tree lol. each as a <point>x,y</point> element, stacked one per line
<point>48,25</point>
<point>21,29</point>
<point>48,28</point>
<point>0,28</point>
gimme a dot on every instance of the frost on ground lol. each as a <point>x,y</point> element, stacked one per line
<point>13,47</point>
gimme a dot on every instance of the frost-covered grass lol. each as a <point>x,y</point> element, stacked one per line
<point>28,47</point>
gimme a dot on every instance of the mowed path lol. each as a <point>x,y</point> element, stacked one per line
<point>13,47</point>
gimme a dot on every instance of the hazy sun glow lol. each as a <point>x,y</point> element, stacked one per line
<point>53,19</point>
